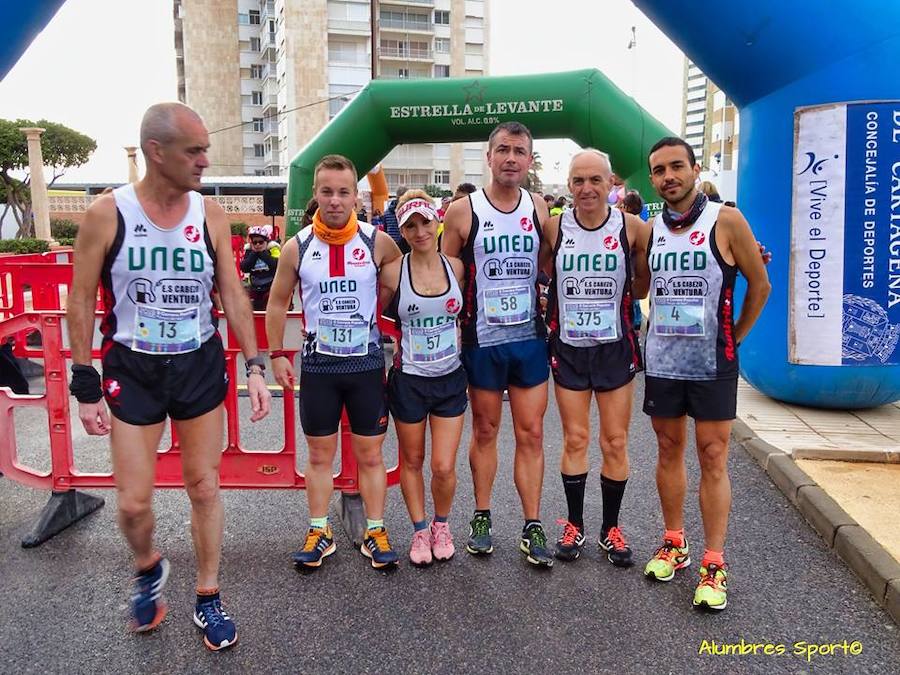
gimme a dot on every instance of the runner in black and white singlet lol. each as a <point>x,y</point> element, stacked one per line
<point>695,250</point>
<point>594,351</point>
<point>497,233</point>
<point>427,384</point>
<point>336,261</point>
<point>157,248</point>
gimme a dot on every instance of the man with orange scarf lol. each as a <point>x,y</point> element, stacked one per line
<point>336,261</point>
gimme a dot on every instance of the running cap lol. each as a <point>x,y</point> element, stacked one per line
<point>426,208</point>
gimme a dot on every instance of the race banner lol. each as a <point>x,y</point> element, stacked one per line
<point>845,235</point>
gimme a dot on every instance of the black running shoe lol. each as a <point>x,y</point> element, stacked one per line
<point>570,542</point>
<point>617,549</point>
<point>534,546</point>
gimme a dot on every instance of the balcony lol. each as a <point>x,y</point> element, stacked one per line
<point>345,27</point>
<point>405,26</point>
<point>407,3</point>
<point>405,54</point>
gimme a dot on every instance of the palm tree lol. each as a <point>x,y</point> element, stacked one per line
<point>533,180</point>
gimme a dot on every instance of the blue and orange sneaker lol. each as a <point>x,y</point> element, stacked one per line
<point>378,549</point>
<point>319,545</point>
<point>219,630</point>
<point>147,607</point>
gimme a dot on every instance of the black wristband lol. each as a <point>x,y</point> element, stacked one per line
<point>85,384</point>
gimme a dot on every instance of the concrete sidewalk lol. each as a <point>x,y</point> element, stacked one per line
<point>841,469</point>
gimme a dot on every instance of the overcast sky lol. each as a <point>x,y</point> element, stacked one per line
<point>99,64</point>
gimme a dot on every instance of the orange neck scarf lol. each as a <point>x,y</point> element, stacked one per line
<point>335,237</point>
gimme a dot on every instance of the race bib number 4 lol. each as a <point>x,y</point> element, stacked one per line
<point>166,331</point>
<point>342,337</point>
<point>679,316</point>
<point>434,343</point>
<point>591,321</point>
<point>507,306</point>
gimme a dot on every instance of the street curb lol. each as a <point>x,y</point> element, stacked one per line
<point>868,559</point>
<point>865,556</point>
<point>848,455</point>
<point>892,600</point>
<point>822,512</point>
<point>761,451</point>
<point>787,475</point>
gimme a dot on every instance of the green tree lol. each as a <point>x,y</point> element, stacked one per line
<point>435,191</point>
<point>62,149</point>
<point>533,180</point>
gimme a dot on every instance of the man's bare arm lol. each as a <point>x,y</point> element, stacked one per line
<point>457,223</point>
<point>236,304</point>
<point>388,281</point>
<point>386,250</point>
<point>747,257</point>
<point>280,294</point>
<point>549,236</point>
<point>234,298</point>
<point>638,237</point>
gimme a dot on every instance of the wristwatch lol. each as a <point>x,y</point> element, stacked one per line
<point>257,361</point>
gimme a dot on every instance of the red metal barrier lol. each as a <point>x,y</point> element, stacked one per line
<point>240,468</point>
<point>47,283</point>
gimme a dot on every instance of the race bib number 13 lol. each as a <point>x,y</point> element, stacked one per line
<point>166,331</point>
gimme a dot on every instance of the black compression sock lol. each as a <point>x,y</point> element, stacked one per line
<point>612,492</point>
<point>574,487</point>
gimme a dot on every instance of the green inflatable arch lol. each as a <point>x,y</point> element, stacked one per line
<point>582,105</point>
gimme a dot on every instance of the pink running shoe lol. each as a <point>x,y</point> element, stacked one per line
<point>420,549</point>
<point>441,541</point>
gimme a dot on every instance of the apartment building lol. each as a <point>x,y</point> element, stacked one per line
<point>267,75</point>
<point>709,121</point>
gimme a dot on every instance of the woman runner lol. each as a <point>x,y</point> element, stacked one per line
<point>427,382</point>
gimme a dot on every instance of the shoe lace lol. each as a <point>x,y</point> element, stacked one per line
<point>537,536</point>
<point>212,612</point>
<point>380,538</point>
<point>665,552</point>
<point>710,576</point>
<point>615,537</point>
<point>570,532</point>
<point>312,538</point>
<point>480,526</point>
<point>441,534</point>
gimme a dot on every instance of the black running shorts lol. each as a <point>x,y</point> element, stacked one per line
<point>413,397</point>
<point>324,395</point>
<point>143,389</point>
<point>603,367</point>
<point>704,400</point>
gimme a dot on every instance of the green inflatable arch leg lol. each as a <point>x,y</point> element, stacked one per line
<point>582,105</point>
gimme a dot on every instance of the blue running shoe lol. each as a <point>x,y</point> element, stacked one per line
<point>147,608</point>
<point>318,546</point>
<point>378,549</point>
<point>219,631</point>
<point>480,541</point>
<point>534,545</point>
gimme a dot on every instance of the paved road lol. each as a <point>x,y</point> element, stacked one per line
<point>62,606</point>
